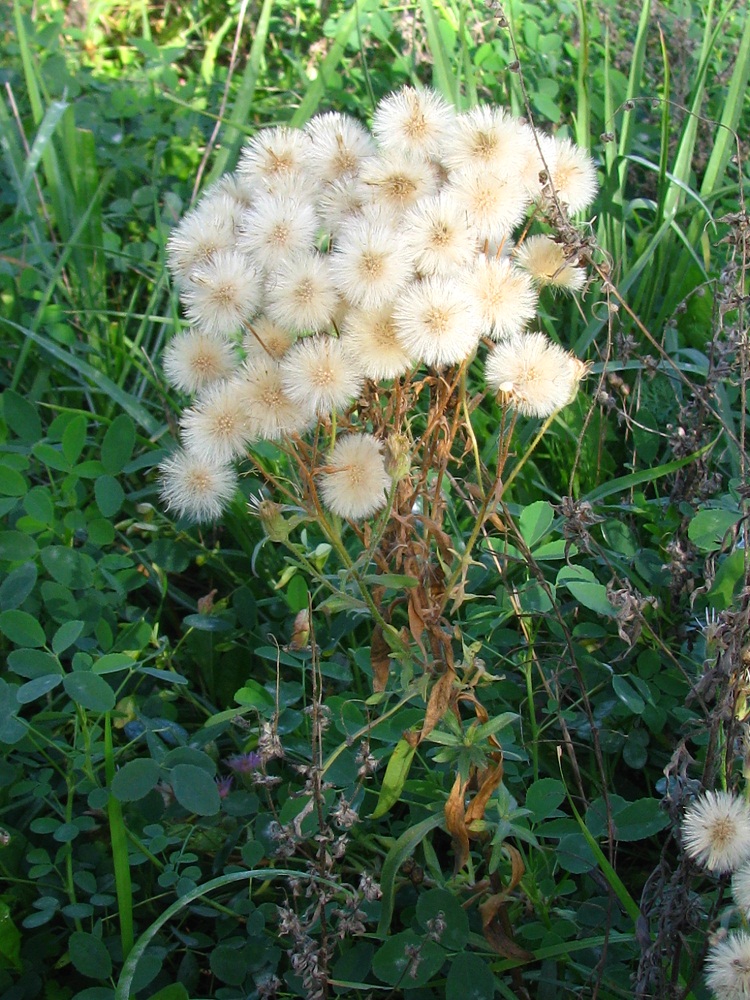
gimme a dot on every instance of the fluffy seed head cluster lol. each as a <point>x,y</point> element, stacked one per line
<point>728,967</point>
<point>335,254</point>
<point>716,831</point>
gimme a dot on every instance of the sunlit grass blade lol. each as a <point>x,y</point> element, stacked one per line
<point>583,101</point>
<point>444,78</point>
<point>725,143</point>
<point>235,128</point>
<point>317,87</point>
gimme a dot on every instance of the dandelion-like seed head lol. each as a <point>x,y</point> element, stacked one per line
<point>339,145</point>
<point>573,176</point>
<point>216,425</point>
<point>196,238</point>
<point>505,296</point>
<point>269,411</point>
<point>398,182</point>
<point>274,153</point>
<point>300,294</point>
<point>436,321</point>
<point>237,188</point>
<point>266,339</point>
<point>439,237</point>
<point>486,138</point>
<point>413,122</point>
<point>536,376</point>
<point>728,967</point>
<point>196,488</point>
<point>370,339</point>
<point>222,293</point>
<point>354,483</point>
<point>716,831</point>
<point>276,228</point>
<point>318,375</point>
<point>193,359</point>
<point>370,264</point>
<point>546,263</point>
<point>494,205</point>
<point>342,202</point>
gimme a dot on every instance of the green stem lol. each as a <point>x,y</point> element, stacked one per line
<point>119,840</point>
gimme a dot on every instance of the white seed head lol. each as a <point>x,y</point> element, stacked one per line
<point>269,410</point>
<point>493,204</point>
<point>193,359</point>
<point>486,138</point>
<point>370,339</point>
<point>505,296</point>
<point>196,488</point>
<point>413,122</point>
<point>196,238</point>
<point>300,294</point>
<point>339,145</point>
<point>317,374</point>
<point>534,375</point>
<point>574,176</point>
<point>398,182</point>
<point>436,321</point>
<point>354,483</point>
<point>222,293</point>
<point>276,228</point>
<point>273,154</point>
<point>546,263</point>
<point>438,235</point>
<point>716,831</point>
<point>215,427</point>
<point>370,263</point>
<point>728,967</point>
<point>266,339</point>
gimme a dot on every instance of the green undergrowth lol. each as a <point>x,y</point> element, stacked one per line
<point>147,663</point>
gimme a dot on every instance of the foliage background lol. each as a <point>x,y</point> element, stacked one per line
<point>144,656</point>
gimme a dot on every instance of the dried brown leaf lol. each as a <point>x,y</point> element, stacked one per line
<point>455,824</point>
<point>380,657</point>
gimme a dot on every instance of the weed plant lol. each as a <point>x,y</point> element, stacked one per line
<point>213,783</point>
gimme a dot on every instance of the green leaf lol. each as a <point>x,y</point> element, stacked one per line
<point>175,991</point>
<point>17,547</point>
<point>89,955</point>
<point>640,819</point>
<point>22,628</point>
<point>627,694</point>
<point>22,417</point>
<point>253,693</point>
<point>33,663</point>
<point>38,688</point>
<point>118,443</point>
<point>584,587</point>
<point>470,978</point>
<point>39,505</point>
<point>89,691</point>
<point>112,662</point>
<point>404,846</point>
<point>435,902</point>
<point>543,797</point>
<point>207,623</point>
<point>17,586</point>
<point>195,790</point>
<point>391,581</point>
<point>10,937</point>
<point>109,495</point>
<point>66,635</point>
<point>12,483</point>
<point>407,958</point>
<point>134,780</point>
<point>189,755</point>
<point>74,438</point>
<point>67,566</point>
<point>708,528</point>
<point>396,774</point>
<point>536,521</point>
<point>729,577</point>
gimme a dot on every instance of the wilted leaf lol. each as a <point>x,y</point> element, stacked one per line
<point>455,823</point>
<point>381,660</point>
